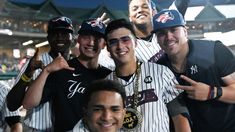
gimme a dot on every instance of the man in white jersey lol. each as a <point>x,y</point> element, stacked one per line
<point>140,15</point>
<point>60,38</point>
<point>149,87</point>
<point>11,119</point>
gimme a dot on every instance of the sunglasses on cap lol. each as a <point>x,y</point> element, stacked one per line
<point>63,19</point>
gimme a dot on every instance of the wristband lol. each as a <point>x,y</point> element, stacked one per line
<point>219,92</point>
<point>25,78</point>
<point>209,93</point>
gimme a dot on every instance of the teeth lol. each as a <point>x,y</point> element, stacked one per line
<point>122,53</point>
<point>106,125</point>
<point>60,44</point>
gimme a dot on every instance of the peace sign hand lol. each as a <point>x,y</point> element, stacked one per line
<point>196,90</point>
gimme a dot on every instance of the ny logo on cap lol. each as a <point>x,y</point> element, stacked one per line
<point>95,23</point>
<point>163,18</point>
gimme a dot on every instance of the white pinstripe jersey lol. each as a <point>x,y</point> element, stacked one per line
<point>156,88</point>
<point>4,89</point>
<point>147,49</point>
<point>39,117</point>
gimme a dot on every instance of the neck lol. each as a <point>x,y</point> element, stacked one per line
<point>142,31</point>
<point>89,63</point>
<point>126,69</point>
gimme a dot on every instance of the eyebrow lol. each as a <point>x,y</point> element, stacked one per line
<point>112,106</point>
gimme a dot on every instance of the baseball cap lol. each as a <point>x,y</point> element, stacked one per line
<point>92,26</point>
<point>166,19</point>
<point>61,22</point>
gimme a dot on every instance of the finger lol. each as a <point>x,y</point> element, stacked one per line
<point>70,68</point>
<point>186,88</point>
<point>102,17</point>
<point>35,56</point>
<point>59,54</point>
<point>187,79</point>
<point>106,21</point>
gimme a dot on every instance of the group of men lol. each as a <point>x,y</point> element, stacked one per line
<point>159,73</point>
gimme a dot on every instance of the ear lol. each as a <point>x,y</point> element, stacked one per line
<point>104,44</point>
<point>185,31</point>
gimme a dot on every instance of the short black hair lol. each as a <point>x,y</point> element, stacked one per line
<point>119,23</point>
<point>104,85</point>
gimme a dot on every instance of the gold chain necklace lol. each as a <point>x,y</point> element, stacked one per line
<point>133,118</point>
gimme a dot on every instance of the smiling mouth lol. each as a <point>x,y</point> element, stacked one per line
<point>141,16</point>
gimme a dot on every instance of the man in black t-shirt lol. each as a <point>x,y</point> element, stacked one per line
<point>66,87</point>
<point>205,70</point>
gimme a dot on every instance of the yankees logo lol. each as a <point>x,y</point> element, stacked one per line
<point>75,87</point>
<point>148,79</point>
<point>165,17</point>
<point>95,23</point>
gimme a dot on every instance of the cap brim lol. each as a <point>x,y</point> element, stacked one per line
<point>62,28</point>
<point>91,32</point>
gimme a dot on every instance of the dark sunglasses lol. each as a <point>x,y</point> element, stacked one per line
<point>123,40</point>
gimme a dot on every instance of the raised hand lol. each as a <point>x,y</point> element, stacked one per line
<point>196,90</point>
<point>57,64</point>
<point>34,64</point>
<point>102,18</point>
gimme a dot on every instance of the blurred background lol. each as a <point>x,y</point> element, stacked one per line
<point>23,23</point>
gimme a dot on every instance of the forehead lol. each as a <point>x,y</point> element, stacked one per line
<point>138,2</point>
<point>106,98</point>
<point>117,33</point>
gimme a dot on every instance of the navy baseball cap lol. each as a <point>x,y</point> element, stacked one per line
<point>92,26</point>
<point>61,22</point>
<point>166,19</point>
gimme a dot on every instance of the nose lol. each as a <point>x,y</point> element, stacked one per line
<point>92,40</point>
<point>140,9</point>
<point>106,115</point>
<point>168,34</point>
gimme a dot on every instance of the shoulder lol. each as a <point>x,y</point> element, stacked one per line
<point>154,66</point>
<point>104,70</point>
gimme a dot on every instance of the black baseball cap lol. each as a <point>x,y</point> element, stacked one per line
<point>61,22</point>
<point>92,26</point>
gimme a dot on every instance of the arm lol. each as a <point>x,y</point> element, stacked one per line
<point>228,92</point>
<point>179,115</point>
<point>14,123</point>
<point>200,91</point>
<point>16,94</point>
<point>181,123</point>
<point>34,93</point>
<point>17,127</point>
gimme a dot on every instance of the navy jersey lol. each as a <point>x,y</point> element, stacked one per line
<point>66,89</point>
<point>206,63</point>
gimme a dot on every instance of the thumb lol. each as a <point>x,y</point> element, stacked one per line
<point>59,54</point>
<point>35,56</point>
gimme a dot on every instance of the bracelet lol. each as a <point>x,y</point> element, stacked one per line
<point>219,92</point>
<point>25,78</point>
<point>212,94</point>
<point>209,93</point>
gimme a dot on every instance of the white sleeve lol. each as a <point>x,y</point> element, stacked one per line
<point>170,92</point>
